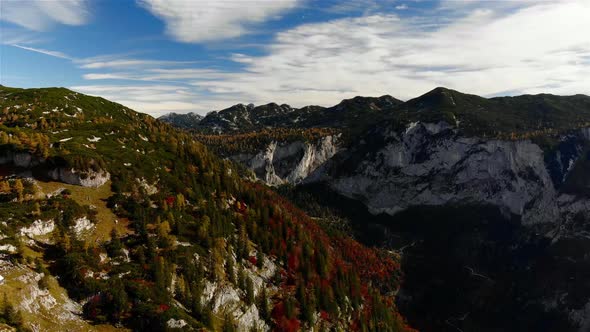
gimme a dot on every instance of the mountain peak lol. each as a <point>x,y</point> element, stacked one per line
<point>368,103</point>
<point>185,121</point>
<point>442,98</point>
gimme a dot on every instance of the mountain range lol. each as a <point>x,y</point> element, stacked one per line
<point>244,118</point>
<point>482,116</point>
<point>445,212</point>
<point>487,198</point>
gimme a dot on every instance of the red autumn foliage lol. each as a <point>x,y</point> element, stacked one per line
<point>370,263</point>
<point>170,200</point>
<point>293,259</point>
<point>282,323</point>
<point>278,310</point>
<point>326,261</point>
<point>252,260</point>
<point>287,325</point>
<point>95,299</point>
<point>241,207</point>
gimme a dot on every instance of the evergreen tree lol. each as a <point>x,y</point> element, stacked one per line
<point>263,305</point>
<point>207,316</point>
<point>19,188</point>
<point>259,258</point>
<point>229,269</point>
<point>289,308</point>
<point>229,325</point>
<point>241,278</point>
<point>119,299</point>
<point>249,291</point>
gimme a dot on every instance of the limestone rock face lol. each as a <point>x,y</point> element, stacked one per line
<point>82,178</point>
<point>292,162</point>
<point>432,164</point>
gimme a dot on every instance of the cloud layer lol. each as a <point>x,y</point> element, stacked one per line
<point>543,47</point>
<point>39,15</point>
<point>198,21</point>
<point>504,48</point>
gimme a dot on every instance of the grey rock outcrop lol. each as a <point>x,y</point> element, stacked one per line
<point>289,162</point>
<point>432,164</point>
<point>25,162</point>
<point>81,178</point>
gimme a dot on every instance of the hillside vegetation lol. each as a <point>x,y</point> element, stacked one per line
<point>518,117</point>
<point>200,249</point>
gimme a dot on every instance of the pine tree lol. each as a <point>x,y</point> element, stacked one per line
<point>308,309</point>
<point>249,291</point>
<point>119,298</point>
<point>8,308</point>
<point>289,308</point>
<point>4,187</point>
<point>259,258</point>
<point>229,268</point>
<point>36,209</point>
<point>19,189</point>
<point>229,324</point>
<point>207,316</point>
<point>263,305</point>
<point>241,278</point>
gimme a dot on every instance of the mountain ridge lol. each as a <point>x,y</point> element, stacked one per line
<point>243,118</point>
<point>495,116</point>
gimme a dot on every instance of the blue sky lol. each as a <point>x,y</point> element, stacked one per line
<point>158,56</point>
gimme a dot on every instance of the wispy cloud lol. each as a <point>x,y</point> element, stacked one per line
<point>198,21</point>
<point>127,63</point>
<point>161,74</point>
<point>43,51</point>
<point>40,15</point>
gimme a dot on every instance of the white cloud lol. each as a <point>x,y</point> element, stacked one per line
<point>160,74</point>
<point>198,21</point>
<point>401,7</point>
<point>39,15</point>
<point>530,48</point>
<point>539,48</point>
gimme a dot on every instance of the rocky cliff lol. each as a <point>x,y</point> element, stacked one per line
<point>289,162</point>
<point>27,163</point>
<point>432,164</point>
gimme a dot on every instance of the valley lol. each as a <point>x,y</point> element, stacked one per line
<point>460,225</point>
<point>294,166</point>
<point>484,199</point>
